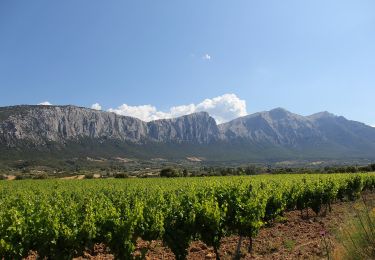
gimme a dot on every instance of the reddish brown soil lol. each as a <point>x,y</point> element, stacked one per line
<point>292,237</point>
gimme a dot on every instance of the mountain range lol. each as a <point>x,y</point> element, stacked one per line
<point>69,131</point>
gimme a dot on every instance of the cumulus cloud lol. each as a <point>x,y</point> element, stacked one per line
<point>96,106</point>
<point>45,103</point>
<point>206,57</point>
<point>223,108</point>
<point>144,112</point>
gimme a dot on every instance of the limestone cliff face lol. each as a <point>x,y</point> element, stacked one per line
<point>276,133</point>
<point>195,128</point>
<point>282,128</point>
<point>40,125</point>
<point>277,127</point>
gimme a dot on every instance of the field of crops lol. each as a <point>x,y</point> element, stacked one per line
<point>60,218</point>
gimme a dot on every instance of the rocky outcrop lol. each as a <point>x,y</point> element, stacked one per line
<point>40,125</point>
<point>277,127</point>
<point>195,128</point>
<point>276,133</point>
<point>280,127</point>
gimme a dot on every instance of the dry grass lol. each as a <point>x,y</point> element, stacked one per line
<point>357,236</point>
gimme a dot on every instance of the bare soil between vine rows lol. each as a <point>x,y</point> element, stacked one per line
<point>293,237</point>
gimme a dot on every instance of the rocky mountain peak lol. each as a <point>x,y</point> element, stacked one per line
<point>278,130</point>
<point>320,115</point>
<point>279,113</point>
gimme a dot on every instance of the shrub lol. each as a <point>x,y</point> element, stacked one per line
<point>169,172</point>
<point>121,175</point>
<point>22,177</point>
<point>89,176</point>
<point>40,176</point>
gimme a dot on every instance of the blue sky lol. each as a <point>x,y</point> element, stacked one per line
<point>305,56</point>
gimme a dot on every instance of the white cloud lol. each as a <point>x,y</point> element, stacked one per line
<point>206,57</point>
<point>45,103</point>
<point>144,112</point>
<point>96,106</point>
<point>223,108</point>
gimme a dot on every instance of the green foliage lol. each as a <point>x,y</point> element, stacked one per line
<point>169,172</point>
<point>121,175</point>
<point>40,176</point>
<point>290,244</point>
<point>89,176</point>
<point>354,187</point>
<point>60,218</point>
<point>275,205</point>
<point>210,221</point>
<point>179,225</point>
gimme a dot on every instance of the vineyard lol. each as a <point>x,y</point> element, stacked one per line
<point>59,219</point>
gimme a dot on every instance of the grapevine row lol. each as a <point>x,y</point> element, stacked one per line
<point>61,218</point>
